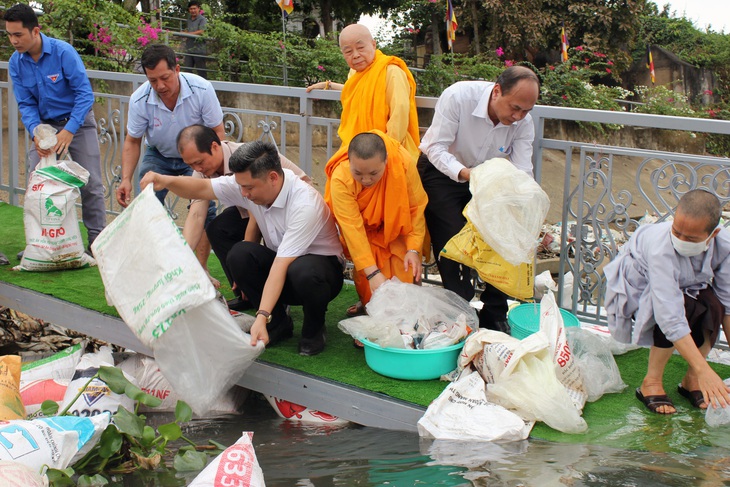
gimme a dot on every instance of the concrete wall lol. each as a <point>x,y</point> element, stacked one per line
<point>676,74</point>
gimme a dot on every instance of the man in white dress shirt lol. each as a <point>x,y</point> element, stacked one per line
<point>301,261</point>
<point>208,156</point>
<point>474,121</point>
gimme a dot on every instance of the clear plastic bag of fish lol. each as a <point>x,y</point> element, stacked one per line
<point>718,416</point>
<point>416,310</point>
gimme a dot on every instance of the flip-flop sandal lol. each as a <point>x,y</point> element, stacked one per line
<point>694,397</point>
<point>357,309</point>
<point>653,403</point>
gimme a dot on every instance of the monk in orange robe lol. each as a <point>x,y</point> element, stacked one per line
<point>380,93</point>
<point>378,202</point>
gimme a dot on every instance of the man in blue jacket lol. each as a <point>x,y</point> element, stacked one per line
<point>51,87</point>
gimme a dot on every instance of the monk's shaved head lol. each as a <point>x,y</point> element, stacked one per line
<point>357,46</point>
<point>367,146</point>
<point>357,32</point>
<point>701,204</point>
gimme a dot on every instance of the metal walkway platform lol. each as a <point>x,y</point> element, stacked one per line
<point>354,404</point>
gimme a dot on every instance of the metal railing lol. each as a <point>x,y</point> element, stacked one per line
<point>303,125</point>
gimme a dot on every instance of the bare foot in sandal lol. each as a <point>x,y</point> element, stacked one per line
<point>655,399</point>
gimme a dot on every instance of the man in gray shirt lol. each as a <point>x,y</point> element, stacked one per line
<point>195,48</point>
<point>669,288</point>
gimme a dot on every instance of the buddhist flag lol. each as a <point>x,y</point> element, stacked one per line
<point>650,64</point>
<point>286,6</point>
<point>451,24</point>
<point>563,45</point>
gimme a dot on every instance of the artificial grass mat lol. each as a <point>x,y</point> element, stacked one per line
<point>616,420</point>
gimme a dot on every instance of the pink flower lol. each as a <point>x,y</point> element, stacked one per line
<point>552,68</point>
<point>712,113</point>
<point>499,51</point>
<point>320,67</point>
<point>598,54</point>
<point>707,92</point>
<point>670,100</point>
<point>281,45</point>
<point>587,60</point>
<point>564,97</point>
<point>91,37</point>
<point>143,41</point>
<point>574,67</point>
<point>608,70</point>
<point>509,63</point>
<point>578,48</point>
<point>609,62</point>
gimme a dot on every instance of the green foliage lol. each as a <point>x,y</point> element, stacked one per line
<point>718,144</point>
<point>447,69</point>
<point>660,100</point>
<point>258,58</point>
<point>128,444</point>
<point>578,83</point>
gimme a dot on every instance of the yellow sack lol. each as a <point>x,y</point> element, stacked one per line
<point>467,247</point>
<point>11,407</point>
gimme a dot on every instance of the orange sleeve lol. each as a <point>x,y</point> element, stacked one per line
<point>398,97</point>
<point>348,217</point>
<point>417,199</point>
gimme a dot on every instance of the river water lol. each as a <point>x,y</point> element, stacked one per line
<point>296,454</point>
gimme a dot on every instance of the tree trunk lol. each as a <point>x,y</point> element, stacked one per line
<point>435,38</point>
<point>325,13</point>
<point>130,5</point>
<point>475,24</point>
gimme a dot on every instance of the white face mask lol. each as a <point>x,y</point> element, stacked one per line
<point>689,249</point>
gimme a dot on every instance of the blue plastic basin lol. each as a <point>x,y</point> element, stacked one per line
<point>409,364</point>
<point>524,320</point>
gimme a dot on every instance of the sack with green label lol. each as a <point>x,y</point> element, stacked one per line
<point>52,236</point>
<point>164,295</point>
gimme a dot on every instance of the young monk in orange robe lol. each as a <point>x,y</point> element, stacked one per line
<point>378,202</point>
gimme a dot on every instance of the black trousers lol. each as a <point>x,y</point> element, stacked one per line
<point>312,281</point>
<point>703,314</point>
<point>444,219</point>
<point>224,231</point>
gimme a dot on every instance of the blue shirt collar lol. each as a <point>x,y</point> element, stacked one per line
<point>45,46</point>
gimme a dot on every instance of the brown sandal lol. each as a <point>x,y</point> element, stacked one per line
<point>653,403</point>
<point>695,398</point>
<point>357,309</point>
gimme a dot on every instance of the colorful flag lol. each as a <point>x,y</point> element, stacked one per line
<point>286,6</point>
<point>650,64</point>
<point>564,45</point>
<point>451,24</point>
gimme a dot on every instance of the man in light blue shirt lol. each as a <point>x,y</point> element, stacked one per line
<point>51,87</point>
<point>668,288</point>
<point>159,109</point>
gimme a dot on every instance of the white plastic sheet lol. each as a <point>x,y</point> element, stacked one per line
<point>596,363</point>
<point>508,208</point>
<point>462,412</point>
<point>166,298</point>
